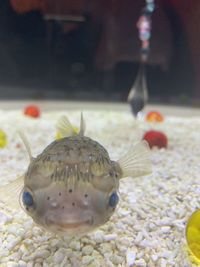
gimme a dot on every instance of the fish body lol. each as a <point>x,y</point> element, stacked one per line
<point>72,186</point>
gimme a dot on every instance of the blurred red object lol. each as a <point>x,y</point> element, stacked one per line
<point>49,6</point>
<point>32,111</point>
<point>22,6</point>
<point>154,116</point>
<point>156,139</point>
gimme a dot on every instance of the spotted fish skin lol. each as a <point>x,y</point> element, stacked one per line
<point>71,182</point>
<point>72,159</point>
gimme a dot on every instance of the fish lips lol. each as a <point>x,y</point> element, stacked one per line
<point>69,225</point>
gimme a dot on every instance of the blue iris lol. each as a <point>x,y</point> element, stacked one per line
<point>27,199</point>
<point>113,200</point>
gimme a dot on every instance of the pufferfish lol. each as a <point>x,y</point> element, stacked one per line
<point>72,186</point>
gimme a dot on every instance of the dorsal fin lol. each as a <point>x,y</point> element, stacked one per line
<point>26,143</point>
<point>65,128</point>
<point>82,126</point>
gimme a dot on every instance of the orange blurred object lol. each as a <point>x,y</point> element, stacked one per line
<point>154,116</point>
<point>32,111</point>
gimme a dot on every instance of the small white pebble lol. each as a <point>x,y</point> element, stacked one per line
<point>98,236</point>
<point>110,237</point>
<point>163,263</point>
<point>54,242</point>
<point>165,229</point>
<point>165,254</point>
<point>154,257</point>
<point>130,257</point>
<point>105,248</point>
<point>120,225</point>
<point>95,263</point>
<point>140,263</point>
<point>87,260</point>
<point>58,256</point>
<point>117,259</point>
<point>22,263</point>
<point>15,256</point>
<point>28,225</point>
<point>5,218</point>
<point>13,243</point>
<point>11,264</point>
<point>75,245</point>
<point>40,253</point>
<point>4,253</point>
<point>87,250</point>
<point>123,212</point>
<point>139,237</point>
<point>145,243</point>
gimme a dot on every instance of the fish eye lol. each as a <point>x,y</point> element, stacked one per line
<point>113,200</point>
<point>27,199</point>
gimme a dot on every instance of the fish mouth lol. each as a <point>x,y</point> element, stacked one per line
<point>72,224</point>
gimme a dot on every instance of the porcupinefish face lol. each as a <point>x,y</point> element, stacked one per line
<point>72,186</point>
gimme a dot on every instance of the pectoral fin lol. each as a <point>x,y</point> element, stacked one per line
<point>26,143</point>
<point>10,193</point>
<point>137,161</point>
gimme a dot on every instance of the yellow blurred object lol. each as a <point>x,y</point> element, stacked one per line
<point>58,135</point>
<point>193,235</point>
<point>3,139</point>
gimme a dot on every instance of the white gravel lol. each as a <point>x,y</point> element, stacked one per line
<point>148,227</point>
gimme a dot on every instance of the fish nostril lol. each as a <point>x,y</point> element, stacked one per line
<point>48,198</point>
<point>73,204</point>
<point>63,207</point>
<point>86,195</point>
<point>59,193</point>
<point>70,190</point>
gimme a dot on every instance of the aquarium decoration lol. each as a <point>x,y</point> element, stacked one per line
<point>3,139</point>
<point>138,94</point>
<point>32,111</point>
<point>154,116</point>
<point>193,236</point>
<point>156,139</point>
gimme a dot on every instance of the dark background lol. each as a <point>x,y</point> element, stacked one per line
<point>97,59</point>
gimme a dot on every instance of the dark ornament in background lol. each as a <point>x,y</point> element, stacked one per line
<point>138,95</point>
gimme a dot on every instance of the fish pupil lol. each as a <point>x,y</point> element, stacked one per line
<point>113,200</point>
<point>27,199</point>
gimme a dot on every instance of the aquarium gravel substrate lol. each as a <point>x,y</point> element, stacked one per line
<point>148,227</point>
